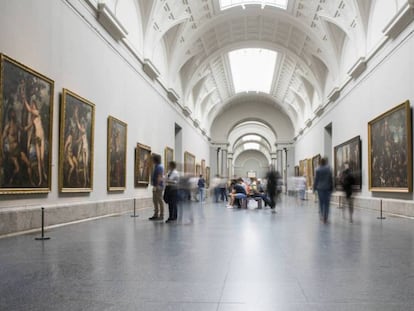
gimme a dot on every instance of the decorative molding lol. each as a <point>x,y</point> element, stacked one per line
<point>173,95</point>
<point>334,94</point>
<point>196,123</point>
<point>308,122</point>
<point>400,21</point>
<point>301,131</point>
<point>109,21</point>
<point>358,68</point>
<point>150,69</point>
<point>319,111</point>
<point>203,131</point>
<point>187,111</point>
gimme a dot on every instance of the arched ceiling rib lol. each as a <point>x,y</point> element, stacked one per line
<point>308,37</point>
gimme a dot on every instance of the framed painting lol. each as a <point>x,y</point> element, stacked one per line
<point>390,151</point>
<point>189,163</point>
<point>309,172</point>
<point>348,155</point>
<point>143,165</point>
<point>208,176</point>
<point>26,121</point>
<point>76,143</point>
<point>315,164</point>
<point>168,157</point>
<point>203,167</point>
<point>296,170</point>
<point>116,154</point>
<point>198,170</point>
<point>301,167</point>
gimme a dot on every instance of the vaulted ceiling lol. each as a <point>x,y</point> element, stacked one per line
<point>320,44</point>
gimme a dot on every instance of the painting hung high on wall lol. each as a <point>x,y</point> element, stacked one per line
<point>189,163</point>
<point>77,119</point>
<point>390,150</point>
<point>143,165</point>
<point>198,170</point>
<point>116,154</point>
<point>26,120</point>
<point>168,157</point>
<point>348,155</point>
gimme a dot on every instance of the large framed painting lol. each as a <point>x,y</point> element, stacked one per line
<point>168,157</point>
<point>26,121</point>
<point>348,155</point>
<point>198,170</point>
<point>76,143</point>
<point>189,163</point>
<point>143,165</point>
<point>116,154</point>
<point>390,151</point>
<point>208,176</point>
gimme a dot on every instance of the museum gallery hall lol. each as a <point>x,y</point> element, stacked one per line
<point>206,155</point>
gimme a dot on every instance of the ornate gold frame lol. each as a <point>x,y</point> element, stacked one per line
<point>28,190</point>
<point>111,121</point>
<point>137,181</point>
<point>168,156</point>
<point>63,107</point>
<point>358,173</point>
<point>187,158</point>
<point>406,107</point>
<point>203,167</point>
<point>208,177</point>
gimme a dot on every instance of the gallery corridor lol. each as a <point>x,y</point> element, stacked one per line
<point>229,260</point>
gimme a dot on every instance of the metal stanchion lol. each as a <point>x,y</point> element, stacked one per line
<point>43,238</point>
<point>381,216</point>
<point>135,210</point>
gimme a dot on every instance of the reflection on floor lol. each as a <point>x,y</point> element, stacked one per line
<point>227,259</point>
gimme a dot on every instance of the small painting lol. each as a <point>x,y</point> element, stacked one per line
<point>143,165</point>
<point>116,154</point>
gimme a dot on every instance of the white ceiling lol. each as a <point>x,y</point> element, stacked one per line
<point>316,40</point>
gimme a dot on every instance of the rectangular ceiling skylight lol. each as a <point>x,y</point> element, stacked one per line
<point>252,69</point>
<point>225,4</point>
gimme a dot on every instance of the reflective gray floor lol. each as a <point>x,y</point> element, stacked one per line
<point>230,260</point>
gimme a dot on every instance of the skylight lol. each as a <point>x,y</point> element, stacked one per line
<point>226,4</point>
<point>252,69</point>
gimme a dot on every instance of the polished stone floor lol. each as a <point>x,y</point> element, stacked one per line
<point>227,259</point>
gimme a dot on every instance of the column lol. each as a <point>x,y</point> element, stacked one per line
<point>224,162</point>
<point>230,165</point>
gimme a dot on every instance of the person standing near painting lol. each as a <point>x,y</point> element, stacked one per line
<point>324,185</point>
<point>157,188</point>
<point>348,182</point>
<point>170,192</point>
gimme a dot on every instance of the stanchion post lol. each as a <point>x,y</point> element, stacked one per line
<point>135,209</point>
<point>381,216</point>
<point>43,238</point>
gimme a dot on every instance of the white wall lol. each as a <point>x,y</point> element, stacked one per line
<point>387,82</point>
<point>76,52</point>
<point>251,160</point>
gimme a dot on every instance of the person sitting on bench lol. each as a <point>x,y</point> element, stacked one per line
<point>238,193</point>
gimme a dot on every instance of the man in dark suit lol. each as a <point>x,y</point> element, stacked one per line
<point>323,184</point>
